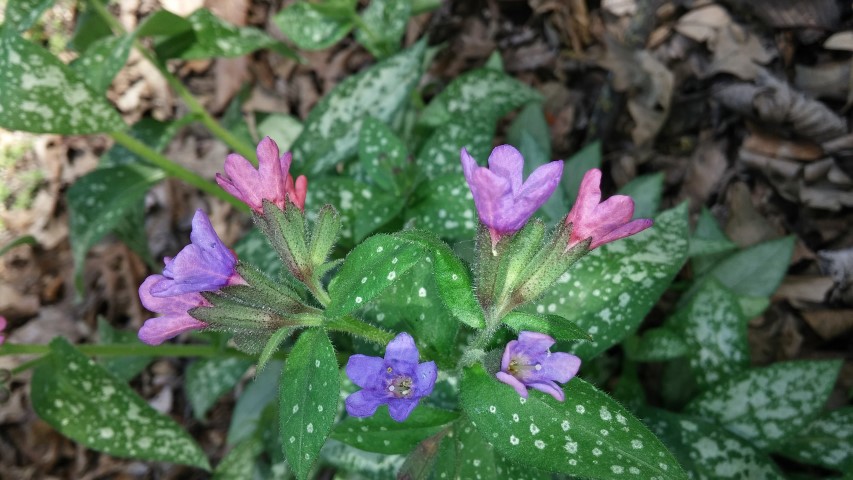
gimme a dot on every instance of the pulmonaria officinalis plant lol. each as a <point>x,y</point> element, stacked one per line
<point>529,363</point>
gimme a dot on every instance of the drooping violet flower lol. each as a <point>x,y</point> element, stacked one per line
<point>605,221</point>
<point>270,181</point>
<point>505,203</point>
<point>174,320</point>
<point>3,324</point>
<point>206,264</point>
<point>527,362</point>
<point>396,380</point>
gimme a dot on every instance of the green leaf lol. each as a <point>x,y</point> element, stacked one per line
<point>553,325</point>
<point>99,201</point>
<point>420,464</point>
<point>309,399</point>
<point>162,23</point>
<point>308,28</point>
<point>768,405</point>
<point>22,240</point>
<point>214,37</point>
<point>656,345</point>
<point>43,95</point>
<point>85,403</point>
<point>386,20</point>
<point>20,15</point>
<point>272,345</point>
<point>88,27</point>
<point>709,452</point>
<point>753,306</point>
<point>239,464</point>
<point>484,92</point>
<point>370,268</point>
<point>284,129</point>
<point>445,207</point>
<point>246,417</point>
<point>383,156</point>
<point>153,133</point>
<point>124,368</point>
<point>589,435</point>
<point>610,291</point>
<point>209,379</point>
<point>100,63</point>
<point>585,159</point>
<point>758,270</point>
<point>332,128</point>
<point>708,243</point>
<point>464,454</point>
<point>362,208</point>
<point>715,331</point>
<point>382,434</point>
<point>374,466</point>
<point>646,190</point>
<point>827,441</point>
<point>440,154</point>
<point>254,249</point>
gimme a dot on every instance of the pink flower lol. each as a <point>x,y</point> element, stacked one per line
<point>174,320</point>
<point>504,201</point>
<point>603,222</point>
<point>271,181</point>
<point>2,327</point>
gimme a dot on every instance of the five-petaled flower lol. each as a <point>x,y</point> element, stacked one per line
<point>270,181</point>
<point>504,202</point>
<point>396,380</point>
<point>603,222</point>
<point>174,320</point>
<point>206,264</point>
<point>528,362</point>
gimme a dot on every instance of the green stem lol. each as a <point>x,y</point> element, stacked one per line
<point>129,350</point>
<point>175,170</point>
<point>423,6</point>
<point>319,292</point>
<point>358,328</point>
<point>192,103</point>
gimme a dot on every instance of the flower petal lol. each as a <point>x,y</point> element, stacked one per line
<point>365,371</point>
<point>426,374</point>
<point>173,304</point>
<point>402,351</point>
<point>512,382</point>
<point>362,403</point>
<point>589,195</point>
<point>560,367</point>
<point>550,388</point>
<point>159,329</point>
<point>534,344</point>
<point>245,179</point>
<point>492,196</point>
<point>623,231</point>
<point>507,356</point>
<point>506,162</point>
<point>400,408</point>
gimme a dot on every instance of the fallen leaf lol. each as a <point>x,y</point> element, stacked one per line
<point>829,324</point>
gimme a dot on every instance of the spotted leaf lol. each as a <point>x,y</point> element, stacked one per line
<point>308,400</point>
<point>85,403</point>
<point>768,405</point>
<point>589,435</point>
<point>362,208</point>
<point>380,433</point>
<point>827,441</point>
<point>440,153</point>
<point>383,156</point>
<point>100,63</point>
<point>445,207</point>
<point>308,28</point>
<point>208,379</point>
<point>655,345</point>
<point>374,466</point>
<point>254,249</point>
<point>387,21</point>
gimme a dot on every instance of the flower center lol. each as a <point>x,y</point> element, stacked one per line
<point>518,367</point>
<point>401,387</point>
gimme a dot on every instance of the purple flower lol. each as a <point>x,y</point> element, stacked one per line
<point>206,264</point>
<point>270,181</point>
<point>605,221</point>
<point>397,380</point>
<point>503,202</point>
<point>528,363</point>
<point>175,319</point>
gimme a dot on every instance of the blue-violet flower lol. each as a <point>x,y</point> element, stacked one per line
<point>527,362</point>
<point>396,380</point>
<point>175,319</point>
<point>505,203</point>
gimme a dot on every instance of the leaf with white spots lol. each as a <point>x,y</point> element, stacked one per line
<point>308,28</point>
<point>445,207</point>
<point>361,464</point>
<point>209,379</point>
<point>362,208</point>
<point>715,331</point>
<point>308,400</point>
<point>610,291</point>
<point>589,435</point>
<point>213,37</point>
<point>100,63</point>
<point>254,249</point>
<point>239,463</point>
<point>20,15</point>
<point>440,154</point>
<point>483,92</point>
<point>332,128</point>
<point>85,403</point>
<point>387,21</point>
<point>707,451</point>
<point>124,367</point>
<point>370,268</point>
<point>464,455</point>
<point>100,200</point>
<point>768,405</point>
<point>656,345</point>
<point>383,156</point>
<point>43,95</point>
<point>553,325</point>
<point>708,242</point>
<point>827,441</point>
<point>382,434</point>
<point>258,394</point>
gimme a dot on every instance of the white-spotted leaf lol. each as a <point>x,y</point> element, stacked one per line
<point>382,434</point>
<point>100,63</point>
<point>254,249</point>
<point>308,28</point>
<point>20,15</point>
<point>208,379</point>
<point>374,466</point>
<point>308,400</point>
<point>383,155</point>
<point>258,394</point>
<point>445,207</point>
<point>827,441</point>
<point>386,20</point>
<point>362,208</point>
<point>589,435</point>
<point>85,403</point>
<point>656,345</point>
<point>440,154</point>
